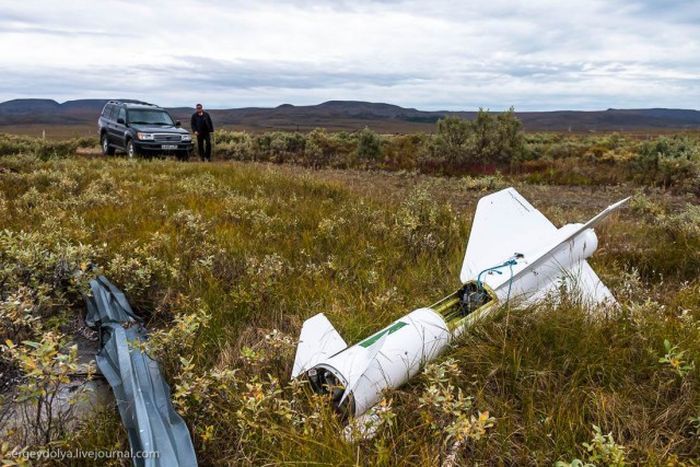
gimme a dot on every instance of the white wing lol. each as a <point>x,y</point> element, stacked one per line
<point>318,340</point>
<point>592,288</point>
<point>580,279</point>
<point>504,224</point>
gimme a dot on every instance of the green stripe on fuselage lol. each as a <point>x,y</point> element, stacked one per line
<point>390,330</point>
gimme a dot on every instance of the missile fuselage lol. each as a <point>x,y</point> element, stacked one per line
<point>356,377</point>
<point>408,343</point>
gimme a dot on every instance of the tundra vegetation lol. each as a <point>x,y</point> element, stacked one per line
<point>225,261</point>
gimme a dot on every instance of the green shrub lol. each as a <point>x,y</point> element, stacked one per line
<point>369,146</point>
<point>234,145</point>
<point>488,139</point>
<point>566,149</point>
<point>47,367</point>
<point>324,149</point>
<point>44,149</point>
<point>87,142</point>
<point>498,138</point>
<point>400,152</point>
<point>279,146</point>
<point>451,143</point>
<point>669,161</point>
<point>669,248</point>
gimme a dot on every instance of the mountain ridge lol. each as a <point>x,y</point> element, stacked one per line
<point>350,115</point>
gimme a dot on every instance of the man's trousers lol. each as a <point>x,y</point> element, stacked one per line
<point>204,146</point>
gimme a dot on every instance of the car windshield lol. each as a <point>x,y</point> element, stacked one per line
<point>150,117</point>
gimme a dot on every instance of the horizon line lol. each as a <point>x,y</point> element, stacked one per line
<point>476,109</point>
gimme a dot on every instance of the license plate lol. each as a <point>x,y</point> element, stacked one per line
<point>169,146</point>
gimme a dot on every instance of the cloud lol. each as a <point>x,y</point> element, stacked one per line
<point>252,74</point>
<point>443,54</point>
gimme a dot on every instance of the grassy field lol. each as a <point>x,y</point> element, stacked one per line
<point>226,260</point>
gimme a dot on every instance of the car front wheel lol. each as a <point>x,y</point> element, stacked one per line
<point>130,150</point>
<point>107,150</point>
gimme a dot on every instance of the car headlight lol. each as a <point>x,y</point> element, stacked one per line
<point>186,138</point>
<point>144,136</point>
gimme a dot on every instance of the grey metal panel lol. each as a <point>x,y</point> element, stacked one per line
<point>108,304</point>
<point>143,396</point>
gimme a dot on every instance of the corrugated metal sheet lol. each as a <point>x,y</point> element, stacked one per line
<point>142,395</point>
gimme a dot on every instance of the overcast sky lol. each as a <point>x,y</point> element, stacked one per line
<point>534,55</point>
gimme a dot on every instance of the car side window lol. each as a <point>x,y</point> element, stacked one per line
<point>122,114</point>
<point>113,113</point>
<point>107,111</point>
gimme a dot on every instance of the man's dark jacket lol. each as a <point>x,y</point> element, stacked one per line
<point>202,123</point>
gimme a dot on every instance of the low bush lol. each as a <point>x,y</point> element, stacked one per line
<point>490,143</point>
<point>457,147</point>
<point>488,139</point>
<point>44,149</point>
<point>669,162</point>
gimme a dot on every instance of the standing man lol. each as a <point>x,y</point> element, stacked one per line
<point>203,128</point>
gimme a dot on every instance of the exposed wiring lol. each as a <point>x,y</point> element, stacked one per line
<point>510,263</point>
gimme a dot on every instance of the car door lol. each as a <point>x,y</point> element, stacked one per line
<point>103,120</point>
<point>112,126</point>
<point>120,128</point>
<point>107,120</point>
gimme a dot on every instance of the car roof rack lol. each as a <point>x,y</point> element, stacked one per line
<point>130,101</point>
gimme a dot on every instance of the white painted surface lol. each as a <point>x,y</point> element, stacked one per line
<point>393,360</point>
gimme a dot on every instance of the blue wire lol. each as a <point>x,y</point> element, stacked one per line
<point>510,263</point>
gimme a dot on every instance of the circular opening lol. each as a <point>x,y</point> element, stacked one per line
<point>324,381</point>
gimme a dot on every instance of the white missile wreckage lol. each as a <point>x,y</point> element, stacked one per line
<point>515,255</point>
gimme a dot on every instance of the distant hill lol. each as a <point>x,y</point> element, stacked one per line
<point>350,115</point>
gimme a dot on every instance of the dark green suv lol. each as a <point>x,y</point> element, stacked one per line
<point>140,128</point>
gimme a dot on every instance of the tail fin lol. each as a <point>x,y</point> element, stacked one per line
<point>593,290</point>
<point>504,224</point>
<point>318,341</point>
<point>581,282</point>
<point>508,231</point>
